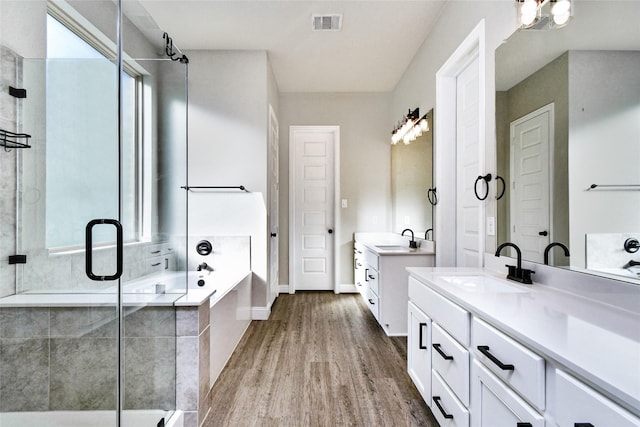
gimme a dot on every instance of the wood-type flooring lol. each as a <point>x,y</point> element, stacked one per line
<point>320,360</point>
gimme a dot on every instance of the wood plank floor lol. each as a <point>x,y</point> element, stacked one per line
<point>320,360</point>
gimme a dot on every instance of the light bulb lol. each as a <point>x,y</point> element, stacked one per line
<point>561,12</point>
<point>528,12</point>
<point>406,139</point>
<point>561,19</point>
<point>424,125</point>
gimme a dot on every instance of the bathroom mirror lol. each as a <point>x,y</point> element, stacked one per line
<point>568,139</point>
<point>411,178</point>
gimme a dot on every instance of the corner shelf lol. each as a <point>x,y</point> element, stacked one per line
<point>10,139</point>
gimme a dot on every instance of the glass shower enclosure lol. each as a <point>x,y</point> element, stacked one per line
<point>93,137</point>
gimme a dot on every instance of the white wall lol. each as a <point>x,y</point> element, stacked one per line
<point>604,130</point>
<point>417,88</point>
<point>365,165</point>
<point>228,111</point>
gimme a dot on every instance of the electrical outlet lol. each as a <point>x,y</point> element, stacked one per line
<point>491,226</point>
<point>345,203</point>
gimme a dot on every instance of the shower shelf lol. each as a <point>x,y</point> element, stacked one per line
<point>10,139</point>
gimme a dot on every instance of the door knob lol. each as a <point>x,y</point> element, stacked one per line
<point>543,233</point>
<point>331,231</point>
<point>273,234</point>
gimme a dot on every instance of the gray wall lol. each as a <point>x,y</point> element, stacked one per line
<point>547,85</point>
<point>364,165</point>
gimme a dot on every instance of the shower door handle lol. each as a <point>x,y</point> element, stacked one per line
<point>89,249</point>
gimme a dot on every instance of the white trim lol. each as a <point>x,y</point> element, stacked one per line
<point>336,202</point>
<point>260,313</point>
<point>445,131</point>
<point>347,288</point>
<point>283,288</point>
<point>273,119</point>
<point>549,108</point>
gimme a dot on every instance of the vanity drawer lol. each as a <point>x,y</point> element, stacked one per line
<point>372,303</point>
<point>451,361</point>
<point>519,367</point>
<point>371,279</point>
<point>371,259</point>
<point>577,403</point>
<point>446,408</point>
<point>451,317</point>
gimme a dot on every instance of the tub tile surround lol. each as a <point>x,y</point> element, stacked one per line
<point>64,358</point>
<point>605,252</point>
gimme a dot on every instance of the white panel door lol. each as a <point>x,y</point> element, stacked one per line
<point>313,207</point>
<point>469,155</point>
<point>274,196</point>
<point>530,190</point>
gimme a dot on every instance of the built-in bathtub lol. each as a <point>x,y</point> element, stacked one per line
<point>91,418</point>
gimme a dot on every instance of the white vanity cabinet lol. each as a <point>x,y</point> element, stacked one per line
<point>419,350</point>
<point>484,376</point>
<point>381,278</point>
<point>577,405</point>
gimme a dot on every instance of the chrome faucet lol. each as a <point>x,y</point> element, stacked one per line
<point>517,273</point>
<point>427,232</point>
<point>412,243</point>
<point>551,245</point>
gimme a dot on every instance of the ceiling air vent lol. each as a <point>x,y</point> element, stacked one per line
<point>327,22</point>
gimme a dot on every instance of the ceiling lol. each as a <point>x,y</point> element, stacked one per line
<point>376,44</point>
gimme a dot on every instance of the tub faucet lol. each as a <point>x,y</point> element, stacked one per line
<point>631,263</point>
<point>551,245</point>
<point>412,242</point>
<point>202,266</point>
<point>517,273</point>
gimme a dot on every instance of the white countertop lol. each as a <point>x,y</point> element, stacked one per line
<point>380,243</point>
<point>218,285</point>
<point>597,342</point>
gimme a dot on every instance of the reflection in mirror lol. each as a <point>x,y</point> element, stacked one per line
<point>568,117</point>
<point>411,177</point>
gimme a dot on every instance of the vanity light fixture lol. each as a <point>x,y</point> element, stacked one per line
<point>410,127</point>
<point>539,14</point>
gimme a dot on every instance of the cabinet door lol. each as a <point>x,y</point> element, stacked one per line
<point>494,404</point>
<point>419,351</point>
<point>358,270</point>
<point>577,404</point>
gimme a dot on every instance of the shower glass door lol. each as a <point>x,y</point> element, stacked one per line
<point>93,226</point>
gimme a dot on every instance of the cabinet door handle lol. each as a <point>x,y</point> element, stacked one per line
<point>583,425</point>
<point>366,274</point>
<point>444,355</point>
<point>421,327</point>
<point>484,349</point>
<point>436,400</point>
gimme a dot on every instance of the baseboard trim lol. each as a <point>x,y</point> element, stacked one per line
<point>283,289</point>
<point>347,288</point>
<point>260,313</point>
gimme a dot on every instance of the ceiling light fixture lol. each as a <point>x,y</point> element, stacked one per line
<point>410,127</point>
<point>539,14</point>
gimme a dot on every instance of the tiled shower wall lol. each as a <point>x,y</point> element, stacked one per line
<point>10,72</point>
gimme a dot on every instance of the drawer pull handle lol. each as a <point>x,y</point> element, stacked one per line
<point>155,264</point>
<point>484,349</point>
<point>372,277</point>
<point>155,252</point>
<point>421,336</point>
<point>436,400</point>
<point>371,302</point>
<point>583,425</point>
<point>524,425</point>
<point>444,355</point>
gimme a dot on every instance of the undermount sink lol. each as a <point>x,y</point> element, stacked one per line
<point>483,284</point>
<point>392,248</point>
